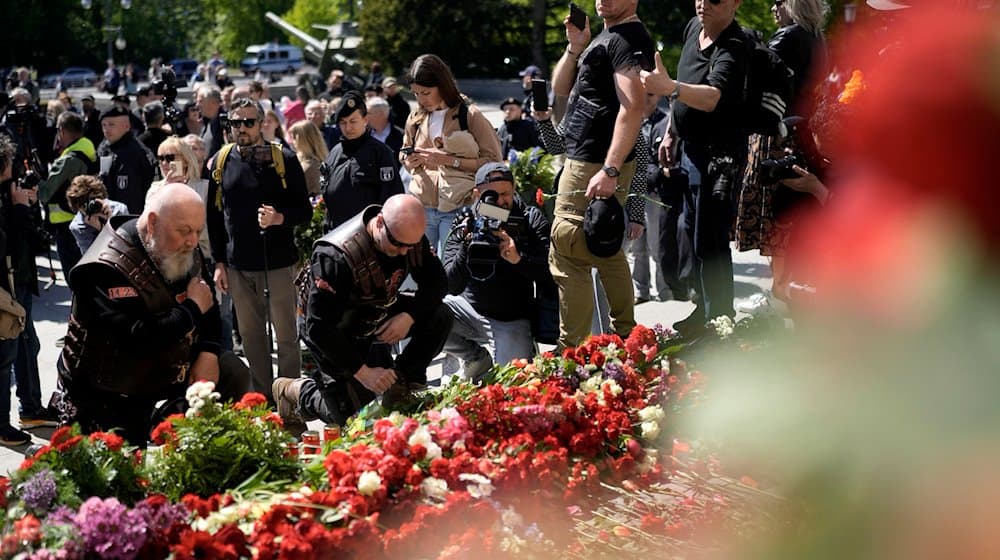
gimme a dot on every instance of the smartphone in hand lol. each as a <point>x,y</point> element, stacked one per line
<point>577,16</point>
<point>539,95</point>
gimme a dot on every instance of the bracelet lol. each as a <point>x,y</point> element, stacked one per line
<point>677,91</point>
<point>575,55</point>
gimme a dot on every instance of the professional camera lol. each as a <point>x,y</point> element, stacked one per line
<point>723,168</point>
<point>29,180</point>
<point>21,115</point>
<point>166,86</point>
<point>94,206</point>
<point>490,218</point>
<point>776,169</point>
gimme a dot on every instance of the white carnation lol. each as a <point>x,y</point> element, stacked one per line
<point>652,414</point>
<point>421,436</point>
<point>435,488</point>
<point>369,482</point>
<point>481,486</point>
<point>723,325</point>
<point>649,430</point>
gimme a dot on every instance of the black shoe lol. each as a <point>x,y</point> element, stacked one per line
<point>693,326</point>
<point>9,435</point>
<point>41,419</point>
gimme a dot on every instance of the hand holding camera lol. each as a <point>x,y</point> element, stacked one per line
<point>97,213</point>
<point>25,196</point>
<point>508,248</point>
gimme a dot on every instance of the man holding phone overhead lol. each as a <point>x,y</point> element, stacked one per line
<point>603,117</point>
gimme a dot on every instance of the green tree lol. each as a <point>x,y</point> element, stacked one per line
<point>469,36</point>
<point>305,13</point>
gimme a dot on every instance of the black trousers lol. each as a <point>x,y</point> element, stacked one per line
<point>333,398</point>
<point>133,417</point>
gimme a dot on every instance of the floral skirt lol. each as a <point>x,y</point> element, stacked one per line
<point>756,227</point>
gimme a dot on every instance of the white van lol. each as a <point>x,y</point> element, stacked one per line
<point>271,58</point>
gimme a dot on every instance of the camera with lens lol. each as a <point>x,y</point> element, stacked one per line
<point>94,206</point>
<point>489,219</point>
<point>777,169</point>
<point>723,168</point>
<point>166,86</point>
<point>29,180</point>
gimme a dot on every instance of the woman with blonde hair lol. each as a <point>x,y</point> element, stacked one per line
<point>443,119</point>
<point>178,164</point>
<point>310,149</point>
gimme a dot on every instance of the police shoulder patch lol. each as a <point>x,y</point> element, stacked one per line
<point>387,173</point>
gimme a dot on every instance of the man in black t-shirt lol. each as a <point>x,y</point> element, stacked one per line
<point>602,121</point>
<point>707,99</point>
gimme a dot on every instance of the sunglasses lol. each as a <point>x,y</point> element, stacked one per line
<point>396,242</point>
<point>245,123</point>
<point>715,2</point>
<point>166,157</point>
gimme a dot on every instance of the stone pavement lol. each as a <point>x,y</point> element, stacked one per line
<point>52,308</point>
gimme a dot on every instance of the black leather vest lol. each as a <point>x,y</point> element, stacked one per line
<point>93,354</point>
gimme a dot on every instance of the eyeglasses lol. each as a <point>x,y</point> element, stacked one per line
<point>396,242</point>
<point>166,157</point>
<point>245,123</point>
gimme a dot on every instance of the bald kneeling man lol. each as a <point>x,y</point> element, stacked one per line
<point>144,323</point>
<point>352,312</point>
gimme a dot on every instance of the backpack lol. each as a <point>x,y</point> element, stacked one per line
<point>767,90</point>
<point>220,167</point>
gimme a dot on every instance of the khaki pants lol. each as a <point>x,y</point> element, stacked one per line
<point>571,262</point>
<point>247,289</point>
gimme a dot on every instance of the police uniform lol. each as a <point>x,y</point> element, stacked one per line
<point>132,336</point>
<point>132,170</point>
<point>357,173</point>
<point>351,288</point>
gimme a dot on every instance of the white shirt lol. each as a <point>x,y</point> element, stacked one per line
<point>437,123</point>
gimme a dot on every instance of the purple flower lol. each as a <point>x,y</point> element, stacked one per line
<point>109,530</point>
<point>39,491</point>
<point>161,518</point>
<point>613,370</point>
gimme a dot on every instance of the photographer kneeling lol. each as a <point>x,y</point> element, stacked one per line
<point>496,252</point>
<point>88,198</point>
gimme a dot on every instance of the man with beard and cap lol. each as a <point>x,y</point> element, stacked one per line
<point>256,196</point>
<point>145,323</point>
<point>127,166</point>
<point>360,170</point>
<point>353,312</point>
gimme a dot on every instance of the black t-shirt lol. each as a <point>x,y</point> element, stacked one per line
<point>723,65</point>
<point>802,52</point>
<point>592,121</point>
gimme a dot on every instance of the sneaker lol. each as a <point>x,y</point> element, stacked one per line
<point>693,326</point>
<point>9,435</point>
<point>286,394</point>
<point>475,370</point>
<point>41,419</point>
<point>450,366</point>
<point>755,304</point>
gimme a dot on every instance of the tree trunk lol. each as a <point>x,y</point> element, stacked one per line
<point>538,13</point>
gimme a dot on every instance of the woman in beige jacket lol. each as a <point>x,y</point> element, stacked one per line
<point>450,141</point>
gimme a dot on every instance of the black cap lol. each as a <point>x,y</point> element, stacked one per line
<point>87,97</point>
<point>121,98</point>
<point>115,111</point>
<point>143,91</point>
<point>604,226</point>
<point>350,102</point>
<point>509,101</point>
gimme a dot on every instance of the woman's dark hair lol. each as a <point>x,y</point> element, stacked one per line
<point>430,71</point>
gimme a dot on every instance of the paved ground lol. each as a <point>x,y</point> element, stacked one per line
<point>52,309</point>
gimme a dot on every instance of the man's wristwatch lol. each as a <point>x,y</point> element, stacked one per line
<point>456,164</point>
<point>611,170</point>
<point>677,91</point>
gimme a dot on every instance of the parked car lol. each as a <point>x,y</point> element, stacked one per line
<point>271,59</point>
<point>76,76</point>
<point>184,68</point>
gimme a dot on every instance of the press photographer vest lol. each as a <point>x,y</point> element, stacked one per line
<point>97,356</point>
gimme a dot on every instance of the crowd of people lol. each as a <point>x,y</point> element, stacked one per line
<point>176,225</point>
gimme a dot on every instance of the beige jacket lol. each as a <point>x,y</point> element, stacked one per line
<point>442,188</point>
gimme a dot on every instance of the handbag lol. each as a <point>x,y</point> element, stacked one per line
<point>12,313</point>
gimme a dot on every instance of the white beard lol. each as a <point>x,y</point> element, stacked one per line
<point>173,267</point>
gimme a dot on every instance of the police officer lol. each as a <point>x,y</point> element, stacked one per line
<point>127,167</point>
<point>360,170</point>
<point>354,312</point>
<point>493,303</point>
<point>145,323</point>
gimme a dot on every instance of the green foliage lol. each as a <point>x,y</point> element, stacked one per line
<point>218,447</point>
<point>305,13</point>
<point>533,169</point>
<point>99,465</point>
<point>474,38</point>
<point>307,233</point>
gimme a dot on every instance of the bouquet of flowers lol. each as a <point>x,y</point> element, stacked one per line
<point>308,232</point>
<point>534,173</point>
<point>213,447</point>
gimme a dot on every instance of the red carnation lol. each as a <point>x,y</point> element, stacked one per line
<point>202,545</point>
<point>251,400</point>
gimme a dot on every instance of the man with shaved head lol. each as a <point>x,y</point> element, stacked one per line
<point>354,312</point>
<point>145,323</point>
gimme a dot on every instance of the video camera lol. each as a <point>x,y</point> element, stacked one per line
<point>166,86</point>
<point>490,218</point>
